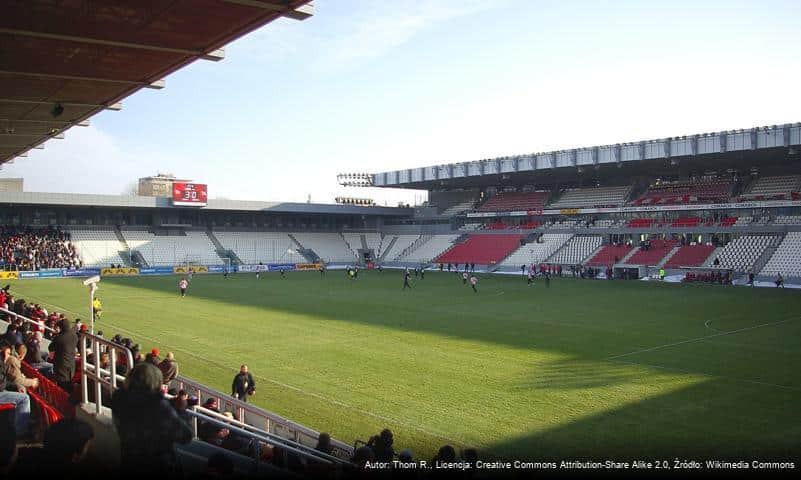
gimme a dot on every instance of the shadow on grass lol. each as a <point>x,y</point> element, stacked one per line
<point>698,422</point>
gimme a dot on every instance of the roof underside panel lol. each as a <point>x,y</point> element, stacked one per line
<point>87,55</point>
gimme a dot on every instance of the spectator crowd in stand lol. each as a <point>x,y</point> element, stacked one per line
<point>36,249</point>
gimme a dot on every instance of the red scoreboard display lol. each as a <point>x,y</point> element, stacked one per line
<point>189,194</point>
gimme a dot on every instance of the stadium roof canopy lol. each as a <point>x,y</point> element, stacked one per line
<point>672,155</point>
<point>63,61</point>
<point>120,201</point>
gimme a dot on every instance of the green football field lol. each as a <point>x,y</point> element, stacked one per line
<point>583,369</point>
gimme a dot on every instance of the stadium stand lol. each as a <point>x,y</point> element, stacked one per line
<point>743,221</point>
<point>652,255</point>
<point>641,222</point>
<point>686,192</point>
<point>786,260</point>
<point>393,250</point>
<point>98,247</point>
<point>510,201</point>
<point>576,250</point>
<point>742,253</point>
<point>604,223</point>
<point>728,221</point>
<point>427,248</point>
<point>686,222</point>
<point>36,248</point>
<point>772,188</point>
<point>469,227</point>
<point>690,256</point>
<point>788,220</point>
<point>608,255</point>
<point>537,252</point>
<point>481,249</point>
<point>375,242</point>
<point>194,246</point>
<point>265,247</point>
<point>593,197</point>
<point>563,225</point>
<point>458,208</point>
<point>330,247</point>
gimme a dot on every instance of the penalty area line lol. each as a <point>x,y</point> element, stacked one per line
<point>724,377</point>
<point>699,339</point>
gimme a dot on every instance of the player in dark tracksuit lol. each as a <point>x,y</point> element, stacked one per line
<point>406,280</point>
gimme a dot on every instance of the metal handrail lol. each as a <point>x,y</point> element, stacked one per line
<point>95,372</point>
<point>198,412</point>
<point>271,420</point>
<point>26,319</point>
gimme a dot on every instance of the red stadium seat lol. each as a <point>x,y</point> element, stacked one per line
<point>481,249</point>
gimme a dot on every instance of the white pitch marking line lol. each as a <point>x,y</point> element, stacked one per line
<point>743,380</point>
<point>706,324</point>
<point>692,340</point>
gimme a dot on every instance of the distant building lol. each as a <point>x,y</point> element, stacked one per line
<point>11,184</point>
<point>159,185</point>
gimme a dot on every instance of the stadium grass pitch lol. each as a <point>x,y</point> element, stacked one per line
<point>583,369</point>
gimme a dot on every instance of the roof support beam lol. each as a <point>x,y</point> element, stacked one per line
<point>113,106</point>
<point>158,84</point>
<point>299,13</point>
<point>214,56</point>
<point>84,123</point>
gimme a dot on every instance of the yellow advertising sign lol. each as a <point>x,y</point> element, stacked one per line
<point>127,271</point>
<point>9,275</point>
<point>195,269</point>
<point>569,211</point>
<point>307,266</point>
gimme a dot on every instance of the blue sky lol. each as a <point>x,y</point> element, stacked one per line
<point>374,86</point>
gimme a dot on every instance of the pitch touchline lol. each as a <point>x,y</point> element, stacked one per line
<point>276,382</point>
<point>744,380</point>
<point>692,340</point>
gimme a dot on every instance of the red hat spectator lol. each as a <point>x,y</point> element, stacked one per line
<point>155,352</point>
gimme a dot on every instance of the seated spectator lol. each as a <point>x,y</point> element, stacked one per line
<point>153,357</point>
<point>64,346</point>
<point>219,466</point>
<point>446,454</point>
<point>8,441</point>
<point>66,444</point>
<point>324,443</point>
<point>382,446</point>
<point>362,455</point>
<point>13,395</point>
<point>13,370</point>
<point>148,426</point>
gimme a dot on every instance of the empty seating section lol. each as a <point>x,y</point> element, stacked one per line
<point>653,255</point>
<point>687,191</point>
<point>392,250</point>
<point>788,220</point>
<point>458,208</point>
<point>787,258</point>
<point>482,249</point>
<point>608,255</point>
<point>511,201</point>
<point>98,248</point>
<point>429,249</point>
<point>469,227</point>
<point>563,224</point>
<point>375,242</point>
<point>593,197</point>
<point>513,226</point>
<point>264,247</point>
<point>193,247</point>
<point>641,223</point>
<point>537,252</point>
<point>743,221</point>
<point>576,250</point>
<point>690,256</point>
<point>604,223</point>
<point>773,188</point>
<point>330,247</point>
<point>685,222</point>
<point>728,221</point>
<point>741,253</point>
